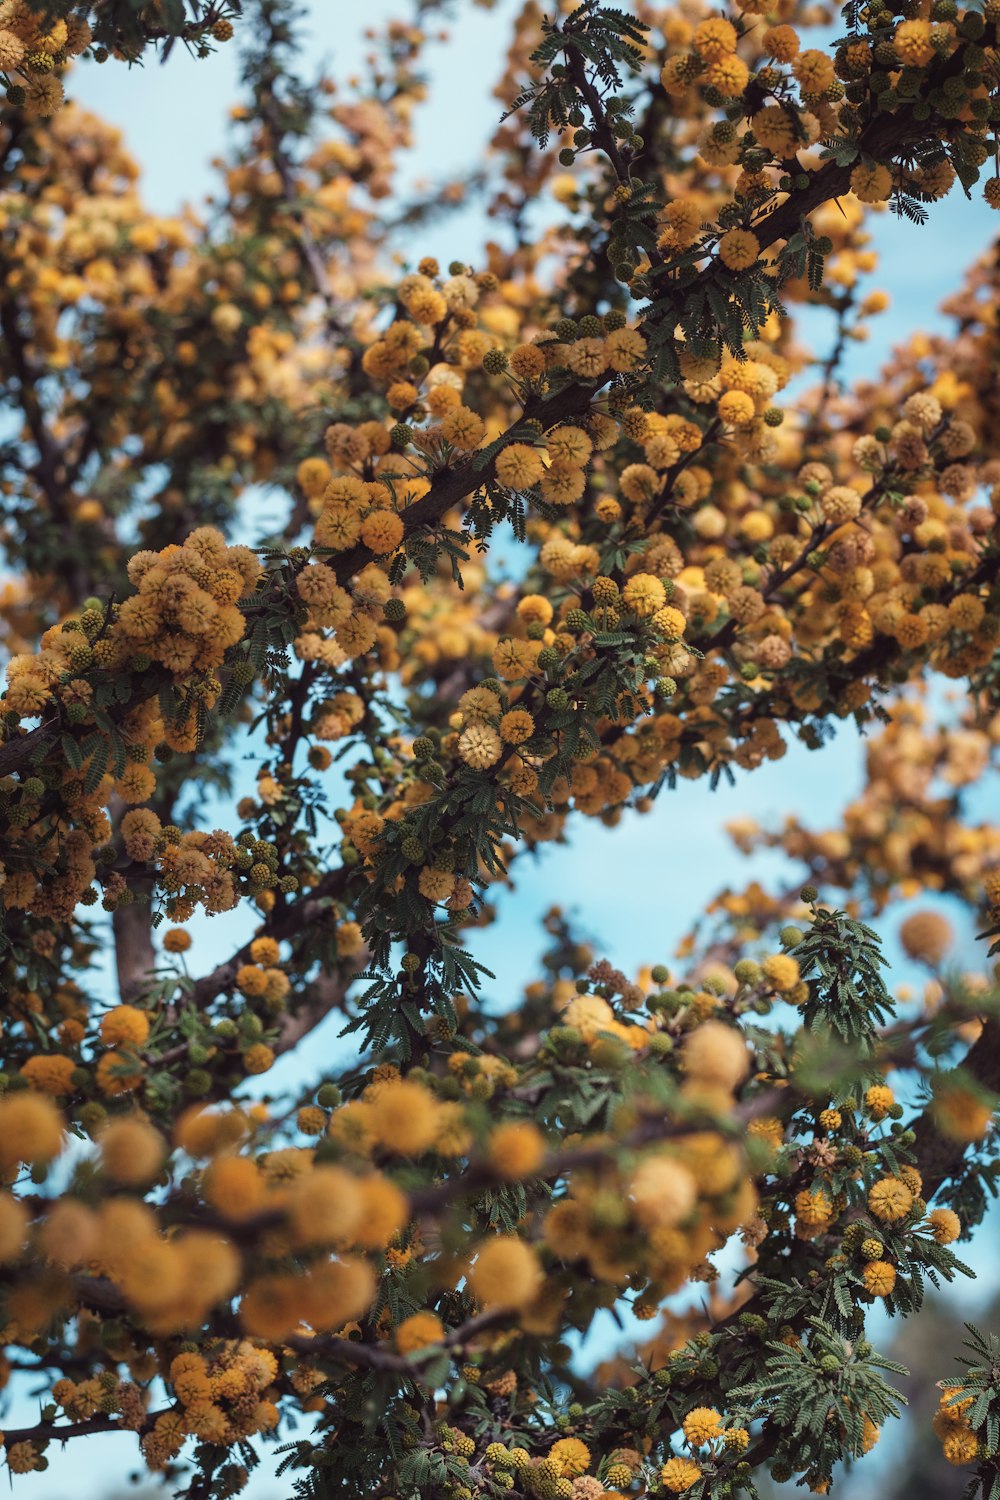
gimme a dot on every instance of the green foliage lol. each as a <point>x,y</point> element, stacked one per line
<point>841,959</point>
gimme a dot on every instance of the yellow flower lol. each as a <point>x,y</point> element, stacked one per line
<point>258,1058</point>
<point>516,1149</point>
<point>945,1225</point>
<point>913,44</point>
<point>959,1112</point>
<point>644,594</point>
<point>480,746</point>
<point>926,935</point>
<point>736,408</point>
<point>879,1099</point>
<point>516,726</point>
<point>663,1191</point>
<point>679,1474</point>
<point>382,531</point>
<point>234,1185</point>
<point>571,1456</point>
<point>871,184</point>
<point>714,38</point>
<point>739,249</point>
<point>325,1207</point>
<point>436,885</point>
<point>729,74</point>
<point>879,1278</point>
<point>702,1425</point>
<point>716,1053</point>
<point>814,70</point>
<point>404,1116</point>
<point>505,1273</point>
<point>813,1207</point>
<point>890,1200</point>
<point>50,1073</point>
<point>782,971</point>
<point>519,466</point>
<point>125,1025</point>
<point>419,1331</point>
<point>132,1151</point>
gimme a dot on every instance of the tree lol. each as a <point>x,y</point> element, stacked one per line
<point>705,569</point>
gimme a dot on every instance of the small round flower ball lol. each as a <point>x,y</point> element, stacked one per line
<point>871,184</point>
<point>201,1131</point>
<point>480,746</point>
<point>535,609</point>
<point>729,74</point>
<point>714,38</point>
<point>663,1192</point>
<point>960,1112</point>
<point>176,940</point>
<point>516,1150</point>
<point>736,409</point>
<point>325,1207</point>
<point>926,935</point>
<point>716,1053</point>
<point>50,1073</point>
<point>235,1186</point>
<point>505,1273</point>
<point>739,249</point>
<point>404,1116</point>
<point>679,1474</point>
<point>436,885</point>
<point>519,466</point>
<point>258,1058</point>
<point>571,1456</point>
<point>702,1425</point>
<point>419,1331</point>
<point>132,1151</point>
<point>311,1120</point>
<point>265,951</point>
<point>879,1099</point>
<point>781,43</point>
<point>890,1200</point>
<point>251,981</point>
<point>118,1073</point>
<point>813,1207</point>
<point>126,1026</point>
<point>840,503</point>
<point>31,1130</point>
<point>516,726</point>
<point>959,1446</point>
<point>945,1225</point>
<point>382,531</point>
<point>644,594</point>
<point>781,971</point>
<point>670,622</point>
<point>879,1278</point>
<point>385,1209</point>
<point>814,70</point>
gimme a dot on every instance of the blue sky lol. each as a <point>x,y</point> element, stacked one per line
<point>637,888</point>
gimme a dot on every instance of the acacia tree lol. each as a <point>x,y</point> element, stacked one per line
<point>380,724</point>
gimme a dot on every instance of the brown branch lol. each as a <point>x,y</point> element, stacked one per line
<point>296,917</point>
<point>52,1432</point>
<point>135,956</point>
<point>326,993</point>
<point>374,1357</point>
